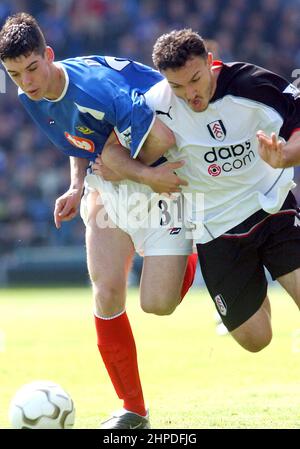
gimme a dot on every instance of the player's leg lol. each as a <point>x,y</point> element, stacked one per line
<point>189,275</point>
<point>256,333</point>
<point>169,265</point>
<point>235,278</point>
<point>109,255</point>
<point>291,283</point>
<point>262,240</point>
<point>282,257</point>
<point>161,283</point>
<point>165,281</point>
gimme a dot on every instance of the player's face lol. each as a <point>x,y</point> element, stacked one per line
<point>194,82</point>
<point>31,73</point>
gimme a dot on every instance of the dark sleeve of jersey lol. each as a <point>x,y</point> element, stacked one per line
<point>270,89</point>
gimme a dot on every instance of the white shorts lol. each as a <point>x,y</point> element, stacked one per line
<point>154,222</point>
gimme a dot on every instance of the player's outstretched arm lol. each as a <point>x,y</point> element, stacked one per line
<point>66,206</point>
<point>277,153</point>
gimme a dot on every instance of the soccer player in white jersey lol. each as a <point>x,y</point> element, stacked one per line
<point>222,116</point>
<point>78,103</point>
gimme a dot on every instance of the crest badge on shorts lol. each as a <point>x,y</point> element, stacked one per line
<point>217,130</point>
<point>221,304</point>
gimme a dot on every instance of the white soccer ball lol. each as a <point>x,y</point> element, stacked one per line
<point>42,405</point>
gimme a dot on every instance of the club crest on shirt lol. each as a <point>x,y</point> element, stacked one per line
<point>217,130</point>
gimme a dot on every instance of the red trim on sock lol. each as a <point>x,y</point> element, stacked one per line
<point>117,348</point>
<point>189,274</point>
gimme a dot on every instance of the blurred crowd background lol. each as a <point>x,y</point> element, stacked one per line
<point>32,172</point>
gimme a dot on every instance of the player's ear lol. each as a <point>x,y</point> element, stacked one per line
<point>49,54</point>
<point>209,59</point>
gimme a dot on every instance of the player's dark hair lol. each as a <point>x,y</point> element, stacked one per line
<point>174,49</point>
<point>21,36</point>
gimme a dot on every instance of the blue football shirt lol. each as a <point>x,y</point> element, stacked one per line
<point>100,94</point>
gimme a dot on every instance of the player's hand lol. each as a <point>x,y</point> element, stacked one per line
<point>100,169</point>
<point>165,180</point>
<point>271,149</point>
<point>66,206</point>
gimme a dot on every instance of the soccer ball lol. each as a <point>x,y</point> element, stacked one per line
<point>41,405</point>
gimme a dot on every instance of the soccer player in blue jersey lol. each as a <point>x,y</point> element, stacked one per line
<point>78,103</point>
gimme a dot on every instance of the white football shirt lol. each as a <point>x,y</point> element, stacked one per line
<point>220,146</point>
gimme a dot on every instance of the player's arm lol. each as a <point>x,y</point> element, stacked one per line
<point>277,153</point>
<point>291,150</point>
<point>136,124</point>
<point>269,89</point>
<point>159,140</point>
<point>161,179</point>
<point>131,114</point>
<point>66,206</point>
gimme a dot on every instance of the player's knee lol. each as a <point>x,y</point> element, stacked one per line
<point>157,309</point>
<point>257,343</point>
<point>108,296</point>
<point>159,306</point>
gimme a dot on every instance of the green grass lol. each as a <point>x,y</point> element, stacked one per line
<point>192,378</point>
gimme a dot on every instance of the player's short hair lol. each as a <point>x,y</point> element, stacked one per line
<point>172,50</point>
<point>21,36</point>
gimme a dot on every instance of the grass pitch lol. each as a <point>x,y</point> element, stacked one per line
<point>192,378</point>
